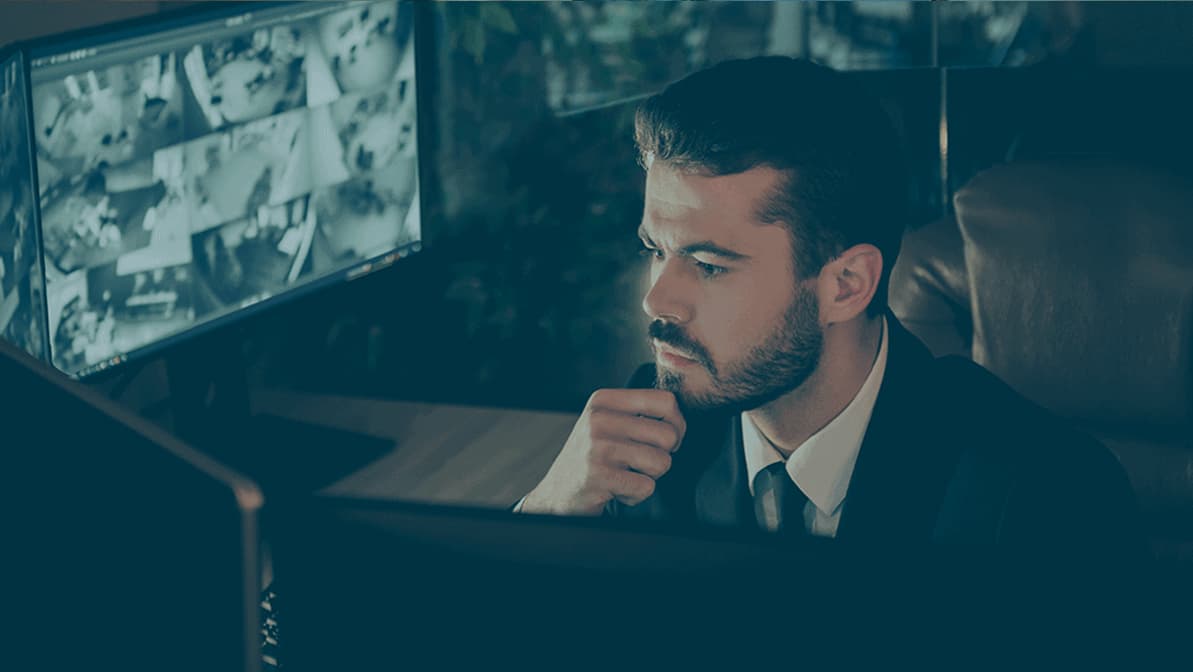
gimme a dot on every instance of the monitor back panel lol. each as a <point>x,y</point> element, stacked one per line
<point>132,550</point>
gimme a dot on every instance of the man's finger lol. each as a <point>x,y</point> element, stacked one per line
<point>619,426</point>
<point>655,404</point>
<point>631,488</point>
<point>644,459</point>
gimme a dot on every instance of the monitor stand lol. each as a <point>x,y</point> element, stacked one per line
<point>210,401</point>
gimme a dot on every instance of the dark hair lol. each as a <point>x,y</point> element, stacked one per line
<point>845,181</point>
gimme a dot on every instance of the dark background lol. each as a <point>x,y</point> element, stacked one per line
<point>528,295</point>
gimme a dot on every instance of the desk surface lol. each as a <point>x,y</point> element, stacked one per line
<point>444,454</point>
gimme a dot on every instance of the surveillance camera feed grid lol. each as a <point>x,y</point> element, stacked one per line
<point>21,302</point>
<point>179,187</point>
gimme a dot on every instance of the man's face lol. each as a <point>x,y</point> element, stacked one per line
<point>730,326</point>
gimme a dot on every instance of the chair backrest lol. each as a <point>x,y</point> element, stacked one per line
<point>1080,277</point>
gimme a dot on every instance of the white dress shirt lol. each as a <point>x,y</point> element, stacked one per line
<point>823,465</point>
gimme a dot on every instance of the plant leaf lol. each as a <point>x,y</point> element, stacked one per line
<point>499,17</point>
<point>473,40</point>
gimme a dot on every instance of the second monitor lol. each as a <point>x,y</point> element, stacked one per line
<point>22,307</point>
<point>191,168</point>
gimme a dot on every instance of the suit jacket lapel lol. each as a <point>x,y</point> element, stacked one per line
<point>905,459</point>
<point>722,495</point>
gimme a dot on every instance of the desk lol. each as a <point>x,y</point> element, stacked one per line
<point>445,454</point>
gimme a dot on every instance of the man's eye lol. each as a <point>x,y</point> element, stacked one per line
<point>652,252</point>
<point>708,270</point>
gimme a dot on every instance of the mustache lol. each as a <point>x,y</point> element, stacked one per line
<point>672,335</point>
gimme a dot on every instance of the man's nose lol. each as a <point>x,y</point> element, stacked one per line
<point>664,300</point>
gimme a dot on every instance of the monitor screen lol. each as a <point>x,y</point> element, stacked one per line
<point>191,169</point>
<point>142,549</point>
<point>22,306</point>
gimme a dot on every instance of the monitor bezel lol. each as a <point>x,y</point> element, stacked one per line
<point>181,17</point>
<point>15,51</point>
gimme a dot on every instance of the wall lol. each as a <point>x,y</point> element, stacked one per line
<point>25,19</point>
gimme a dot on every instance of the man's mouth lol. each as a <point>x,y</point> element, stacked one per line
<point>673,357</point>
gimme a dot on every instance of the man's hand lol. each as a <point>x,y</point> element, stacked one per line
<point>621,444</point>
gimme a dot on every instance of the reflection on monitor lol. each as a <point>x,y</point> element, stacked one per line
<point>188,173</point>
<point>21,298</point>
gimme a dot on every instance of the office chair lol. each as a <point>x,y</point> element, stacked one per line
<point>1072,280</point>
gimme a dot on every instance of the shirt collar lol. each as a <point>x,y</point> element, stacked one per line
<point>823,465</point>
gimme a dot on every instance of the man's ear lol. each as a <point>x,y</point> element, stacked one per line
<point>847,284</point>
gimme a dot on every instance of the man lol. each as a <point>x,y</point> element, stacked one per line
<point>773,216</point>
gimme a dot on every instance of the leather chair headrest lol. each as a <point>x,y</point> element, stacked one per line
<point>1081,283</point>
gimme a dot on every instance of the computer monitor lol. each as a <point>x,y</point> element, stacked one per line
<point>376,585</point>
<point>366,584</point>
<point>22,302</point>
<point>196,165</point>
<point>124,548</point>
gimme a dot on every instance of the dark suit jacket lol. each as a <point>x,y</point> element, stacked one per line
<point>951,455</point>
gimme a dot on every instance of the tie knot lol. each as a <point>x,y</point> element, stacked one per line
<point>772,476</point>
<point>778,501</point>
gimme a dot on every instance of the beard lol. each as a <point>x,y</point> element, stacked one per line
<point>770,369</point>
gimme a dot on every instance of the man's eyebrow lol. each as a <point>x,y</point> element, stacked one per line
<point>709,247</point>
<point>704,246</point>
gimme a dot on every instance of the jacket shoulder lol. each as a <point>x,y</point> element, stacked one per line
<point>985,405</point>
<point>1066,487</point>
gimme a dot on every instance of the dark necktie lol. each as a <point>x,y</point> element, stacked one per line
<point>778,501</point>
